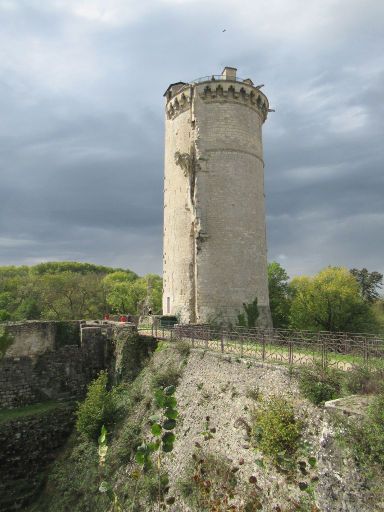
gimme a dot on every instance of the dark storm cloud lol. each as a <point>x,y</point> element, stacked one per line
<point>81,125</point>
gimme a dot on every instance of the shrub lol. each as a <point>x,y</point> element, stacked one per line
<point>209,482</point>
<point>275,428</point>
<point>97,409</point>
<point>364,379</point>
<point>73,480</point>
<point>366,438</point>
<point>139,494</point>
<point>124,448</point>
<point>319,385</point>
<point>373,432</point>
<point>183,348</point>
<point>166,376</point>
<point>254,393</point>
<point>250,315</point>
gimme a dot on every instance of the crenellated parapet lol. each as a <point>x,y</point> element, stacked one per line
<point>240,92</point>
<point>237,92</point>
<point>179,103</point>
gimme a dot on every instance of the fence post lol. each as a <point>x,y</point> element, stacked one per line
<point>206,340</point>
<point>324,354</point>
<point>241,345</point>
<point>193,338</point>
<point>222,342</point>
<point>152,329</point>
<point>366,350</point>
<point>171,334</point>
<point>263,347</point>
<point>290,353</point>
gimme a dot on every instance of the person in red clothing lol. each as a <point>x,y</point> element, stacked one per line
<point>123,318</point>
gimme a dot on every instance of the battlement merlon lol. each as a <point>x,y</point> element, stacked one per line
<point>224,87</point>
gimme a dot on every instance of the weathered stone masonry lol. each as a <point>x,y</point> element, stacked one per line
<point>59,359</point>
<point>49,360</point>
<point>215,255</point>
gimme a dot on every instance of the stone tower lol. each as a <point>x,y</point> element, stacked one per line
<point>215,254</point>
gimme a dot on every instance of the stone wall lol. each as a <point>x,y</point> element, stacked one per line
<point>56,369</point>
<point>32,338</point>
<point>28,445</point>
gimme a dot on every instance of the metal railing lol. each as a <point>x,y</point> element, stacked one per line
<point>222,78</point>
<point>281,346</point>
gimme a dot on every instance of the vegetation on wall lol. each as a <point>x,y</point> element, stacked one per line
<point>249,316</point>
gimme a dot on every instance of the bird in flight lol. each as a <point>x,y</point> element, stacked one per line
<point>225,30</point>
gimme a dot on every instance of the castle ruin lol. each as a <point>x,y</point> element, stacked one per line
<point>215,253</point>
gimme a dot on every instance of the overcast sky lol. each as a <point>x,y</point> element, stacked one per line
<point>81,123</point>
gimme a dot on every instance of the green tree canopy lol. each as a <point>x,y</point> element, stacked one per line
<point>279,298</point>
<point>330,301</point>
<point>126,295</point>
<point>65,290</point>
<point>369,283</point>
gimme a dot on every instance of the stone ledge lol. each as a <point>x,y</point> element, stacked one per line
<point>356,405</point>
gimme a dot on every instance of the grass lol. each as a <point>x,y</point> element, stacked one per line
<point>30,410</point>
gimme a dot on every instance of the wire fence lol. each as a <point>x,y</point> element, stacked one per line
<point>280,346</point>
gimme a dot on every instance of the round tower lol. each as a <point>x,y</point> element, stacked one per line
<point>215,254</point>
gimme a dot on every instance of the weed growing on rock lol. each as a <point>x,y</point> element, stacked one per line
<point>364,379</point>
<point>105,487</point>
<point>183,348</point>
<point>275,430</point>
<point>162,345</point>
<point>254,393</point>
<point>208,431</point>
<point>163,438</point>
<point>367,438</point>
<point>165,377</point>
<point>209,483</point>
<point>319,384</point>
<point>129,438</point>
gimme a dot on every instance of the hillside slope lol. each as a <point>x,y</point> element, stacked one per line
<point>218,462</point>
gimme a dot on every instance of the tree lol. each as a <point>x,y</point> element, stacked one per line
<point>369,282</point>
<point>155,288</point>
<point>279,298</point>
<point>127,294</point>
<point>330,301</point>
<point>57,290</point>
<point>70,296</point>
